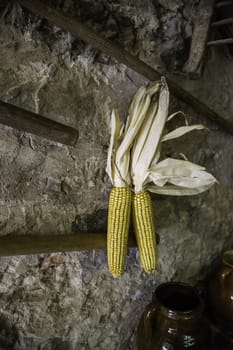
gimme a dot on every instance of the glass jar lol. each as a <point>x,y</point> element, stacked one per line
<point>174,320</point>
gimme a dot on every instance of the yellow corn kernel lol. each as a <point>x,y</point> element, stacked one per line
<point>119,210</point>
<point>144,230</point>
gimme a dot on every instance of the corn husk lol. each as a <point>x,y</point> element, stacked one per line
<point>147,141</point>
<point>122,138</point>
<point>135,149</point>
<point>185,177</point>
<point>181,131</point>
<point>169,176</point>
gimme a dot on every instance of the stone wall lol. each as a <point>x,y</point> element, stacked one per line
<point>70,301</point>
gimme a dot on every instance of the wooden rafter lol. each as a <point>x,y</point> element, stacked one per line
<point>21,119</point>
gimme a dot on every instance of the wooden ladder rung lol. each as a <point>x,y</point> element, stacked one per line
<point>220,42</point>
<point>222,22</point>
<point>224,3</point>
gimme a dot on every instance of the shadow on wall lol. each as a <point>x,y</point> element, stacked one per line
<point>55,344</point>
<point>8,334</point>
<point>95,222</point>
<point>9,338</point>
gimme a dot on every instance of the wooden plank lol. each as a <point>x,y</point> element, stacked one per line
<point>23,120</point>
<point>37,244</point>
<point>79,30</point>
<point>199,38</point>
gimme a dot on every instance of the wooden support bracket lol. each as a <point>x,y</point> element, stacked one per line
<point>81,31</point>
<point>21,119</point>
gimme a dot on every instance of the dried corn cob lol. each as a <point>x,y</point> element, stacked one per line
<point>118,226</point>
<point>121,142</point>
<point>144,230</point>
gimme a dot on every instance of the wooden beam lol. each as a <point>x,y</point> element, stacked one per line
<point>38,244</point>
<point>195,61</point>
<point>23,120</point>
<point>81,31</point>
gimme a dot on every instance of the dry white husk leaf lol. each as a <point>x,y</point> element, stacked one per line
<point>134,151</point>
<point>169,176</point>
<point>122,138</point>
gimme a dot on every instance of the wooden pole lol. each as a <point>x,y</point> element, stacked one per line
<point>36,124</point>
<point>81,31</point>
<point>38,244</point>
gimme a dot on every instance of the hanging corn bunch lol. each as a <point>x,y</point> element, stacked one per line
<point>118,170</point>
<point>135,170</point>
